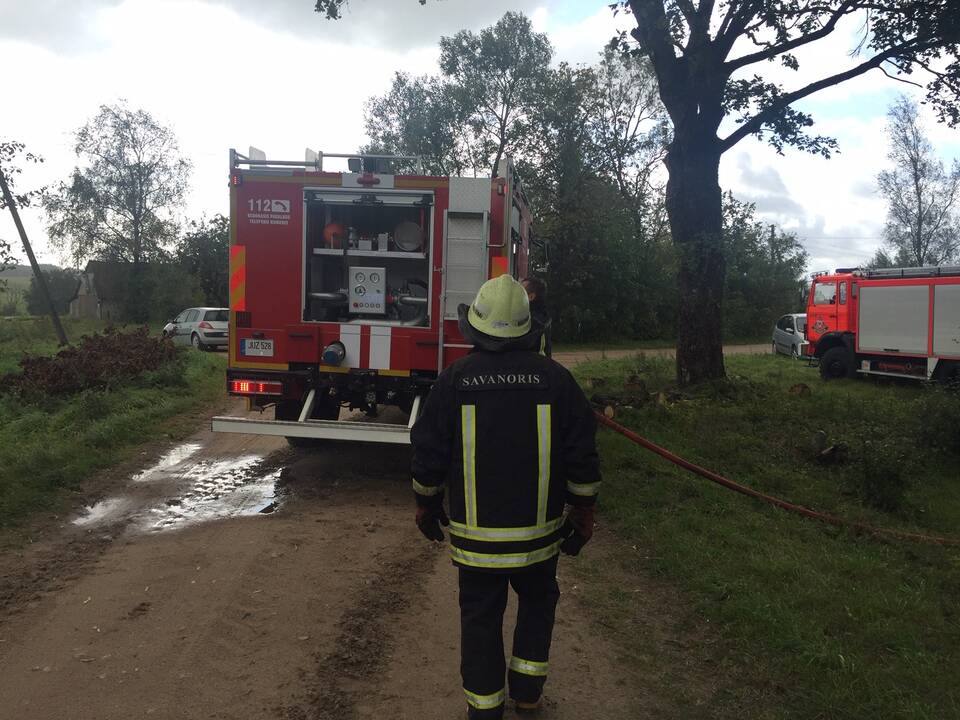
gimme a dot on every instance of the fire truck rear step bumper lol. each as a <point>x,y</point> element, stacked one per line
<point>320,429</point>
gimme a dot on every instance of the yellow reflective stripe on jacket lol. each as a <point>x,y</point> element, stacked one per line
<point>528,667</point>
<point>508,534</point>
<point>468,427</point>
<point>427,489</point>
<point>505,560</point>
<point>583,489</point>
<point>486,702</point>
<point>543,452</point>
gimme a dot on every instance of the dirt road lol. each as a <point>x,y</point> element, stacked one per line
<point>230,577</point>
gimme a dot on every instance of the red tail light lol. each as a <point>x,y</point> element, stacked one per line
<point>205,325</point>
<point>255,387</point>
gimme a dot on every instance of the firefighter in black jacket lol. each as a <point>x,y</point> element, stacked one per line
<point>509,437</point>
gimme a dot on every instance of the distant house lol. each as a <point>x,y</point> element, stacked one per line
<point>101,291</point>
<point>104,290</point>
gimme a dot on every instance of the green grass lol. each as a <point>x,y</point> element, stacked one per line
<point>845,626</point>
<point>14,289</point>
<point>50,449</point>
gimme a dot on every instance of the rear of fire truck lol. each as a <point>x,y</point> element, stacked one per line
<point>345,287</point>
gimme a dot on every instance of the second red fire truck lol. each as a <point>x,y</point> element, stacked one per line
<point>901,322</point>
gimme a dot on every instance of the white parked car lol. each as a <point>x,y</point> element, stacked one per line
<point>790,335</point>
<point>203,327</point>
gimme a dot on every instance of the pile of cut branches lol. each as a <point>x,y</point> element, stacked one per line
<point>97,361</point>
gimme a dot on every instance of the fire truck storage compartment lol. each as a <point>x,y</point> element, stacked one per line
<point>946,320</point>
<point>367,256</point>
<point>894,319</point>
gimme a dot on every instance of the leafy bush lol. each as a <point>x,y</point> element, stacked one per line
<point>939,414</point>
<point>97,361</point>
<point>883,482</point>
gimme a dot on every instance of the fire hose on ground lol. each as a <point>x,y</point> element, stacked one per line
<point>783,504</point>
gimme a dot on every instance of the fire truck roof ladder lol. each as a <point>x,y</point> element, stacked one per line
<point>912,272</point>
<point>314,160</point>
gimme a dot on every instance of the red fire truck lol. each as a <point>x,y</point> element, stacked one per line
<point>903,322</point>
<point>344,286</point>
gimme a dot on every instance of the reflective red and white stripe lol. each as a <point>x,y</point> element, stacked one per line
<point>367,346</point>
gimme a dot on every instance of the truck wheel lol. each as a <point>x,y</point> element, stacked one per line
<point>837,363</point>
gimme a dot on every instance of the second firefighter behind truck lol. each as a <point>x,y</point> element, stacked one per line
<point>508,436</point>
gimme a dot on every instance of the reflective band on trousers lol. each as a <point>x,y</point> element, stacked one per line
<point>505,534</point>
<point>506,560</point>
<point>486,702</point>
<point>528,667</point>
<point>426,489</point>
<point>468,428</point>
<point>543,455</point>
<point>583,489</point>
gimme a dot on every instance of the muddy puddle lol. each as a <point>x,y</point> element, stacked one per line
<point>181,489</point>
<point>218,489</point>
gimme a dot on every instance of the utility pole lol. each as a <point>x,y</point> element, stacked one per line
<point>41,280</point>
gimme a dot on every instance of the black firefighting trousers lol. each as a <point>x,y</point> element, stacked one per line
<point>483,599</point>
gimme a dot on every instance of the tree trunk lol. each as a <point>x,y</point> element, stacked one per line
<point>496,161</point>
<point>695,207</point>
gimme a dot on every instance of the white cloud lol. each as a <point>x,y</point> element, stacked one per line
<point>538,19</point>
<point>828,203</point>
<point>394,24</point>
<point>583,41</point>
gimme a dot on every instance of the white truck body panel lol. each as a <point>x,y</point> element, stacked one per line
<point>946,320</point>
<point>894,319</point>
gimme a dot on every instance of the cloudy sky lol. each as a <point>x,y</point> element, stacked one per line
<point>273,74</point>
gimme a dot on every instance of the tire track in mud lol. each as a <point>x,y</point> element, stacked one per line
<point>365,639</point>
<point>28,574</point>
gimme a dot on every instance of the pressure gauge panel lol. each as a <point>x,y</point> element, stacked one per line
<point>368,291</point>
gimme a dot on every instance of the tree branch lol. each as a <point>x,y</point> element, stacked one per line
<point>899,79</point>
<point>653,30</point>
<point>754,124</point>
<point>734,24</point>
<point>774,50</point>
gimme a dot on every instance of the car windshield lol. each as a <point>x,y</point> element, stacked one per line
<point>217,315</point>
<point>802,323</point>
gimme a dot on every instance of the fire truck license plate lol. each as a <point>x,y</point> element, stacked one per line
<point>263,348</point>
